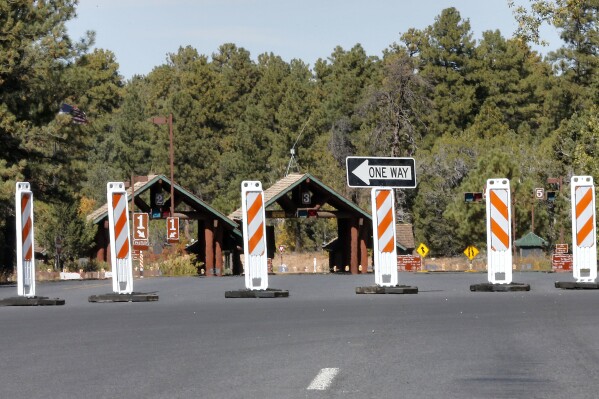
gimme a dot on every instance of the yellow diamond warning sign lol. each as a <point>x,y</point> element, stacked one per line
<point>422,250</point>
<point>471,252</point>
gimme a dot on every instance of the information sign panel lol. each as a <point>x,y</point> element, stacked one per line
<point>172,229</point>
<point>141,231</point>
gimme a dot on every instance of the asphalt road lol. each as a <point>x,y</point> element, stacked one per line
<point>324,341</point>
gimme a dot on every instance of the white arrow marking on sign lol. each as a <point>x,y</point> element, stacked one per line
<point>141,233</point>
<point>173,234</point>
<point>366,172</point>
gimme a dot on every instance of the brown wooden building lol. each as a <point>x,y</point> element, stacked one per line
<point>304,196</point>
<point>217,235</point>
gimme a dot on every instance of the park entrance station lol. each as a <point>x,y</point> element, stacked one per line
<point>217,235</point>
<point>219,242</point>
<point>304,196</point>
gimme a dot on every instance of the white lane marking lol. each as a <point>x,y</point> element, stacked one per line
<point>324,379</point>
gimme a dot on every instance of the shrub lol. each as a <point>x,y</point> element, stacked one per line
<point>181,265</point>
<point>95,265</point>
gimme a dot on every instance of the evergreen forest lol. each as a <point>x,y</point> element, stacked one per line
<point>466,109</point>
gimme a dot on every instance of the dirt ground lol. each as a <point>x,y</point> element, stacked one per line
<point>307,262</point>
<point>304,263</point>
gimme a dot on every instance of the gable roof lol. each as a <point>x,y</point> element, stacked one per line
<point>404,234</point>
<point>530,240</point>
<point>286,184</point>
<point>188,197</point>
<point>102,212</point>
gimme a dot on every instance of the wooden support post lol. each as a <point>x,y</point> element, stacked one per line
<point>209,239</point>
<point>353,260</point>
<point>218,247</point>
<point>102,243</point>
<point>363,229</point>
<point>342,256</point>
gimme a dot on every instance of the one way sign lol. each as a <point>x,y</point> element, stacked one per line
<point>381,172</point>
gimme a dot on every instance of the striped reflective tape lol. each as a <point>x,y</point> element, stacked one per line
<point>255,223</point>
<point>26,229</point>
<point>384,215</point>
<point>584,216</point>
<point>500,220</point>
<point>121,234</point>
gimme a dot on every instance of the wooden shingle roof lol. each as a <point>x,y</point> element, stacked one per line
<point>188,197</point>
<point>404,234</point>
<point>102,211</point>
<point>286,184</point>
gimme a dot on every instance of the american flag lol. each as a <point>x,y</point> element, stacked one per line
<point>79,117</point>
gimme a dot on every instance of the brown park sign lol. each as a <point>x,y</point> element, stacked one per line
<point>408,262</point>
<point>561,248</point>
<point>561,262</point>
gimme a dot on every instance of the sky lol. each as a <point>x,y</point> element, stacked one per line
<point>141,33</point>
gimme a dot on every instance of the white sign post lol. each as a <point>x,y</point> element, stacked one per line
<point>25,241</point>
<point>499,232</point>
<point>584,241</point>
<point>120,245</point>
<point>254,235</point>
<point>385,249</point>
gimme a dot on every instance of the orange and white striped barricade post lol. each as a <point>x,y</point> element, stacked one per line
<point>385,250</point>
<point>584,241</point>
<point>499,239</point>
<point>26,254</point>
<point>499,234</point>
<point>120,244</point>
<point>254,235</point>
<point>25,241</point>
<point>254,246</point>
<point>385,247</point>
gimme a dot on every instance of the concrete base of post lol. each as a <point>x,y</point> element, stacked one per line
<point>132,297</point>
<point>489,287</point>
<point>398,289</point>
<point>268,293</point>
<point>573,285</point>
<point>31,301</point>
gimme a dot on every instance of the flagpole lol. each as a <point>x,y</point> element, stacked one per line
<point>170,130</point>
<point>160,120</point>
